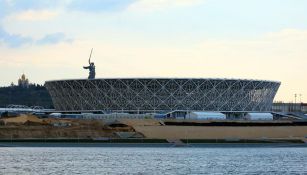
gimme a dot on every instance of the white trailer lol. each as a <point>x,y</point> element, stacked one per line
<point>258,116</point>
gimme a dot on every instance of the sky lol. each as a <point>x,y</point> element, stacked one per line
<point>248,39</point>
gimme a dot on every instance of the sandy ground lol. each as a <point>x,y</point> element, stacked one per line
<point>209,132</point>
<point>34,127</point>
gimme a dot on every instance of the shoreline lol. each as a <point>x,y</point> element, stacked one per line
<point>150,143</point>
<point>158,145</point>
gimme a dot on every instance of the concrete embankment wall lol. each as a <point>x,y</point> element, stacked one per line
<point>208,132</point>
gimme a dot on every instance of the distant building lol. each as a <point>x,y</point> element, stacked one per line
<point>23,81</point>
<point>289,107</point>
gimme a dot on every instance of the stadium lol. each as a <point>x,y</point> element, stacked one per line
<point>145,95</point>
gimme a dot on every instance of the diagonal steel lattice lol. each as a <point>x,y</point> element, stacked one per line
<point>162,94</point>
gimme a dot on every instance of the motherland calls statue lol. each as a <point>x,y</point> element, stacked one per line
<point>91,68</point>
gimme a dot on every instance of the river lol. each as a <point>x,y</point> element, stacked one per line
<point>153,160</point>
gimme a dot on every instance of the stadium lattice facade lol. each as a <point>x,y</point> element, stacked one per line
<point>162,94</point>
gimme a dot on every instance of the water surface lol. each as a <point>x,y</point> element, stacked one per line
<point>152,160</point>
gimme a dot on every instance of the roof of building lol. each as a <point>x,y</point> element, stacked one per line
<point>208,113</point>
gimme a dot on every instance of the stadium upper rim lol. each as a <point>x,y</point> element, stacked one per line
<point>166,78</point>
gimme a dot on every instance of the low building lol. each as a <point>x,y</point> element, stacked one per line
<point>195,115</point>
<point>115,116</point>
<point>289,107</point>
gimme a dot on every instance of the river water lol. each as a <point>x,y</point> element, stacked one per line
<point>153,160</point>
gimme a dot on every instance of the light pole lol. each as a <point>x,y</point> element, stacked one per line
<point>300,98</point>
<point>300,102</point>
<point>295,95</point>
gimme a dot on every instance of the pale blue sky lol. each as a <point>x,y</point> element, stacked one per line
<point>253,39</point>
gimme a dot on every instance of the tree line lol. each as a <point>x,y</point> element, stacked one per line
<point>34,95</point>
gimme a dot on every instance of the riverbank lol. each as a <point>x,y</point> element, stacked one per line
<point>150,143</point>
<point>24,129</point>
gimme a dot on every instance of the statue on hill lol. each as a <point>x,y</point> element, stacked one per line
<point>91,68</point>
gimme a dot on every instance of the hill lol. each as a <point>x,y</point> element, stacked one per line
<point>34,95</point>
